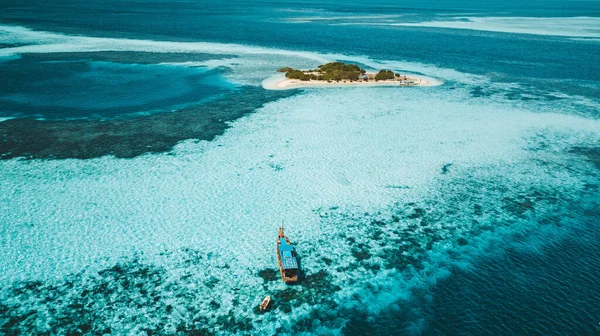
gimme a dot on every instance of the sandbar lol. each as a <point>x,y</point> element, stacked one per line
<point>280,82</point>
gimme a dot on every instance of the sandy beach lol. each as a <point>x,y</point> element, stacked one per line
<point>280,82</point>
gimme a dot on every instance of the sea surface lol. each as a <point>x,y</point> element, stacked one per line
<point>144,168</point>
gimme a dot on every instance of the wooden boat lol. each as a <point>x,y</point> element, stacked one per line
<point>286,257</point>
<point>265,303</point>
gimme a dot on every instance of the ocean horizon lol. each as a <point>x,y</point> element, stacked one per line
<point>147,160</point>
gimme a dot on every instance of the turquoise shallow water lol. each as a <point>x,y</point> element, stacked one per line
<point>72,89</point>
<point>148,201</point>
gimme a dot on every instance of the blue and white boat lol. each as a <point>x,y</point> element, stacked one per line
<point>286,257</point>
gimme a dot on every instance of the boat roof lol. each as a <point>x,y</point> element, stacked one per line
<point>289,263</point>
<point>285,246</point>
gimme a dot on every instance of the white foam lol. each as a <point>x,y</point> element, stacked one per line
<point>583,39</point>
<point>559,26</point>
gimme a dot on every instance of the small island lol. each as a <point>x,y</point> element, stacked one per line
<point>341,74</point>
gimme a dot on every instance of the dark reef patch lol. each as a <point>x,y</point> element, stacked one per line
<point>418,213</point>
<point>10,45</point>
<point>131,294</point>
<point>124,57</point>
<point>361,252</point>
<point>446,168</point>
<point>519,206</point>
<point>591,154</point>
<point>128,137</point>
<point>81,305</point>
<point>478,92</point>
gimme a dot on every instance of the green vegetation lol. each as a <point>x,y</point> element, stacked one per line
<point>301,75</point>
<point>336,71</point>
<point>384,74</point>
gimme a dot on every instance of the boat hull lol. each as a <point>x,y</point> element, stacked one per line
<point>265,303</point>
<point>287,278</point>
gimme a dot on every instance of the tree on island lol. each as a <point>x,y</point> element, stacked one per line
<point>301,75</point>
<point>335,71</point>
<point>339,67</point>
<point>385,74</point>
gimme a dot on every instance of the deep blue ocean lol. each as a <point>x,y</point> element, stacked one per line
<point>96,97</point>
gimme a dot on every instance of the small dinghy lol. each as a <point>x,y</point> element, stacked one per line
<point>265,303</point>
